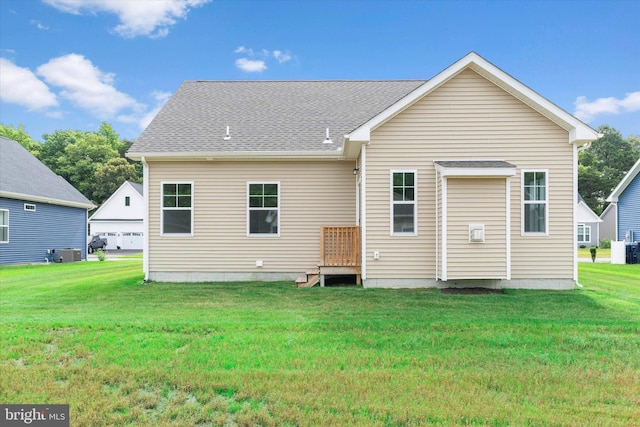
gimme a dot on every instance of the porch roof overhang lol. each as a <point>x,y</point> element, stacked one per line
<point>475,168</point>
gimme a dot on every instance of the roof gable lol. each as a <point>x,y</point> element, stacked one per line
<point>22,176</point>
<point>579,133</point>
<point>585,213</point>
<point>624,182</point>
<point>109,206</point>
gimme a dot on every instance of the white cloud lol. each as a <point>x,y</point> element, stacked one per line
<point>39,25</point>
<point>250,65</point>
<point>586,110</point>
<point>161,99</point>
<point>21,86</point>
<point>281,56</point>
<point>86,86</point>
<point>151,18</point>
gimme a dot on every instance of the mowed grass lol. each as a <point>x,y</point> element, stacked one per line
<point>123,353</point>
<point>600,253</point>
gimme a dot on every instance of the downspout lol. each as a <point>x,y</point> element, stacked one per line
<point>363,215</point>
<point>145,219</point>
<point>437,229</point>
<point>575,216</point>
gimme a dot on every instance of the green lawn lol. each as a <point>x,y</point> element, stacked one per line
<point>600,253</point>
<point>123,353</point>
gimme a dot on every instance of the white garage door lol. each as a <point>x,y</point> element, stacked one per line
<point>130,241</point>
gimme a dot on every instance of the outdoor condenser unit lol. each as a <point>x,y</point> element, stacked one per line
<point>70,255</point>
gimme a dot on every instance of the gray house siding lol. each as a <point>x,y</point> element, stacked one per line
<point>31,233</point>
<point>629,210</point>
<point>594,238</point>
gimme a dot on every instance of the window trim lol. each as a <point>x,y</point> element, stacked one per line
<point>584,227</point>
<point>28,205</point>
<point>524,202</point>
<point>162,208</point>
<point>5,226</point>
<point>392,203</point>
<point>249,209</point>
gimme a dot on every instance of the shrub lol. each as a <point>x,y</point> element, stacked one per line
<point>101,255</point>
<point>593,250</point>
<point>583,246</point>
<point>605,243</point>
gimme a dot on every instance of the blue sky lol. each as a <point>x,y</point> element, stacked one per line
<point>71,64</point>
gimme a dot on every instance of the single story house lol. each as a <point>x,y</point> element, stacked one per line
<point>119,218</point>
<point>588,226</point>
<point>466,179</point>
<point>39,210</point>
<point>621,219</point>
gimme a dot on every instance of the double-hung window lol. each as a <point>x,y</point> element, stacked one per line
<point>584,233</point>
<point>535,202</point>
<point>263,208</point>
<point>177,208</point>
<point>403,202</point>
<point>4,226</point>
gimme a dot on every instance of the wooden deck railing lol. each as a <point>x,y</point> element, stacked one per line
<point>340,246</point>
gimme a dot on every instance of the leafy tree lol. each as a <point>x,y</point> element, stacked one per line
<point>21,136</point>
<point>81,159</point>
<point>602,165</point>
<point>52,152</point>
<point>110,176</point>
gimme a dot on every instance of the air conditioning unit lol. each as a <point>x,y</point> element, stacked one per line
<point>70,255</point>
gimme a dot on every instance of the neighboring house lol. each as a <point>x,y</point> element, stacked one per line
<point>588,225</point>
<point>621,219</point>
<point>119,218</point>
<point>39,210</point>
<point>469,178</point>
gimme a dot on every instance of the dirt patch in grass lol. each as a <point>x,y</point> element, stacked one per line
<point>471,291</point>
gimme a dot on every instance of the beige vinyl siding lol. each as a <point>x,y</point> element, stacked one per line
<point>476,201</point>
<point>312,195</point>
<point>466,118</point>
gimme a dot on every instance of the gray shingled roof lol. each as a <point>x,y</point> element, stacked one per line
<point>474,164</point>
<point>266,116</point>
<point>138,187</point>
<point>23,174</point>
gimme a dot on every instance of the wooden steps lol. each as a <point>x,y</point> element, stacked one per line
<point>309,279</point>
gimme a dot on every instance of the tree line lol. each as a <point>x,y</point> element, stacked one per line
<point>93,162</point>
<point>603,163</point>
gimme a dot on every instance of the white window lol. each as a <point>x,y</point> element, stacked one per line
<point>177,208</point>
<point>30,207</point>
<point>4,226</point>
<point>584,233</point>
<point>535,206</point>
<point>403,202</point>
<point>263,205</point>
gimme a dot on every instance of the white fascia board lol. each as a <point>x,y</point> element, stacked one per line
<point>239,155</point>
<point>48,200</point>
<point>579,133</point>
<point>479,172</point>
<point>624,182</point>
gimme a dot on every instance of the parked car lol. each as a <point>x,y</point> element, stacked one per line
<point>97,242</point>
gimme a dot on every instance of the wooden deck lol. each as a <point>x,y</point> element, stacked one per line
<point>339,255</point>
